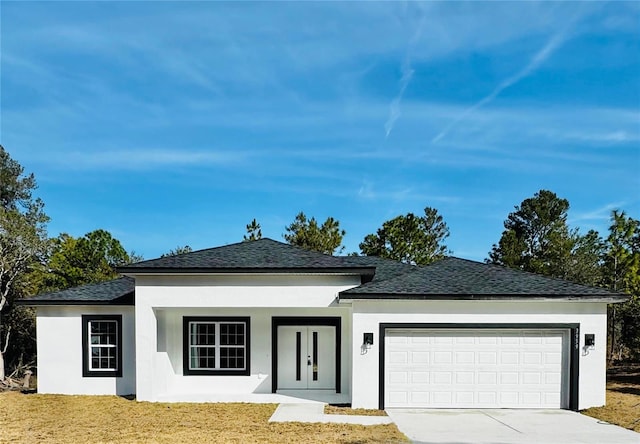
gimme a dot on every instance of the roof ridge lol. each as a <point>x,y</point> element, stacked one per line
<point>211,249</point>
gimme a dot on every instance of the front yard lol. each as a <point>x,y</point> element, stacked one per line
<point>623,398</point>
<point>110,419</point>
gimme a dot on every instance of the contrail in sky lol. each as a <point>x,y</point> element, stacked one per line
<point>407,74</point>
<point>543,54</point>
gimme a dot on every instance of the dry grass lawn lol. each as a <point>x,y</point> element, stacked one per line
<point>338,410</point>
<point>110,419</point>
<point>623,399</point>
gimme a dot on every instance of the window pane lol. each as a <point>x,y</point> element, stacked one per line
<point>202,333</point>
<point>103,332</point>
<point>231,334</point>
<point>103,358</point>
<point>231,358</point>
<point>202,357</point>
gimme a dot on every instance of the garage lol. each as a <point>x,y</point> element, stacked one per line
<point>476,367</point>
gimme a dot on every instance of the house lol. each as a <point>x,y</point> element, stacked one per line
<point>257,321</point>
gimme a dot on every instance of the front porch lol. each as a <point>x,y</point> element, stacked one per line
<point>288,355</point>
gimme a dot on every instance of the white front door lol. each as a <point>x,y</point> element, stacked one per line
<point>306,357</point>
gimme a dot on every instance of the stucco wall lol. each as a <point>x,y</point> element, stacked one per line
<point>162,301</point>
<point>367,316</point>
<point>59,336</point>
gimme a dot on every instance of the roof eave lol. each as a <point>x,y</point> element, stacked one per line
<point>29,303</point>
<point>610,299</point>
<point>137,271</point>
<point>127,299</point>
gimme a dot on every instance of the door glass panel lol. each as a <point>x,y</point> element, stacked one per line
<point>298,355</point>
<point>315,355</point>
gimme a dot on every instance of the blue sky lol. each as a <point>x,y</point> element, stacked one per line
<point>172,123</point>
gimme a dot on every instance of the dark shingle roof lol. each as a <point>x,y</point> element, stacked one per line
<point>449,278</point>
<point>454,278</point>
<point>260,256</point>
<point>385,268</point>
<point>115,292</point>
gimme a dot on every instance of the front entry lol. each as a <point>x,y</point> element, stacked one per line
<point>306,357</point>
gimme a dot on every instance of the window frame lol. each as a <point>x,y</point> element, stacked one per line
<point>87,371</point>
<point>186,345</point>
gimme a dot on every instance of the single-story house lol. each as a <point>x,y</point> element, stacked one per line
<point>247,320</point>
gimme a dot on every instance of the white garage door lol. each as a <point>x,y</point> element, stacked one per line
<point>476,368</point>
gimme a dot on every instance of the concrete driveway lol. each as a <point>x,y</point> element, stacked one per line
<point>507,427</point>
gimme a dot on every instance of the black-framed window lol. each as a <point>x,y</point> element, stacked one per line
<point>102,345</point>
<point>216,345</point>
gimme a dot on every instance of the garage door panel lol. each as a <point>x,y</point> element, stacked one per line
<point>510,357</point>
<point>420,377</point>
<point>397,397</point>
<point>398,377</point>
<point>534,358</point>
<point>553,358</point>
<point>552,398</point>
<point>399,357</point>
<point>419,357</point>
<point>465,378</point>
<point>553,378</point>
<point>418,397</point>
<point>475,368</point>
<point>442,358</point>
<point>488,357</point>
<point>487,378</point>
<point>467,357</point>
<point>507,378</point>
<point>509,397</point>
<point>464,397</point>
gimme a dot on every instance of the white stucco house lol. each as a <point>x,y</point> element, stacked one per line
<point>255,321</point>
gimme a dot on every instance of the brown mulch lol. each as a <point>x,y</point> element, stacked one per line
<point>623,398</point>
<point>110,419</point>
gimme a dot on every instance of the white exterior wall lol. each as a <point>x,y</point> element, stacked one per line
<point>59,339</point>
<point>162,301</point>
<point>368,315</point>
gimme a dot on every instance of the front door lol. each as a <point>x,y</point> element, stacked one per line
<point>306,357</point>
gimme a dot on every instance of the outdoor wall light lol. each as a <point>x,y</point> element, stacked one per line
<point>367,340</point>
<point>590,340</point>
<point>589,343</point>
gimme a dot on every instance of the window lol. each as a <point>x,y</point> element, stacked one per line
<point>101,345</point>
<point>216,346</point>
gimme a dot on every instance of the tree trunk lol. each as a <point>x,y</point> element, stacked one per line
<point>27,378</point>
<point>2,375</point>
<point>2,352</point>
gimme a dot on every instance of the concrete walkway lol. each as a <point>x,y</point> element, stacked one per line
<point>314,412</point>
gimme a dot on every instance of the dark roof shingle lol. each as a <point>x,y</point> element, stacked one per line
<point>454,278</point>
<point>264,255</point>
<point>449,278</point>
<point>118,291</point>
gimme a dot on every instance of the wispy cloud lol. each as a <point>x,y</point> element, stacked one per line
<point>142,159</point>
<point>620,136</point>
<point>407,74</point>
<point>600,214</point>
<point>534,63</point>
<point>394,108</point>
<point>368,191</point>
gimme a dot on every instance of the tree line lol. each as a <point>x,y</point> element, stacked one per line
<point>536,238</point>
